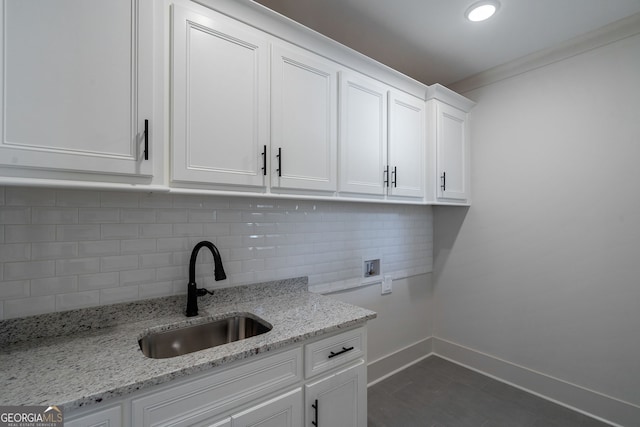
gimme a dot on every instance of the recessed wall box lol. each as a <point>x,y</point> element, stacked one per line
<point>371,270</point>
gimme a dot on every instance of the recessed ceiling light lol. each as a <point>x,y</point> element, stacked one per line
<point>482,10</point>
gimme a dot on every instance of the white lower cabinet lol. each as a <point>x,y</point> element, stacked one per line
<point>110,417</point>
<point>339,399</point>
<point>322,379</point>
<point>282,411</point>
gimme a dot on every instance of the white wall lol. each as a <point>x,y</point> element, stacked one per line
<point>543,270</point>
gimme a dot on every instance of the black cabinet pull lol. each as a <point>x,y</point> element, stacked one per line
<point>395,176</point>
<point>344,350</point>
<point>385,175</point>
<point>146,139</point>
<point>315,417</point>
<point>264,160</point>
<point>279,156</point>
<point>444,181</point>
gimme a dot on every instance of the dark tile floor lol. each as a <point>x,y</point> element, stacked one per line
<point>438,393</point>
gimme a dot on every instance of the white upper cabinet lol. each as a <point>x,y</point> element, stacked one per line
<point>304,108</point>
<point>407,141</point>
<point>363,135</point>
<point>77,86</point>
<point>448,147</point>
<point>220,105</point>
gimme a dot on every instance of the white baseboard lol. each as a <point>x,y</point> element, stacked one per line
<point>596,405</point>
<point>395,362</point>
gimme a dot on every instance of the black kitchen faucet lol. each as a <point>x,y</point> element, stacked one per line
<point>193,292</point>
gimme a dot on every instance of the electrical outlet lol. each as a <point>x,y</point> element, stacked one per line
<point>387,285</point>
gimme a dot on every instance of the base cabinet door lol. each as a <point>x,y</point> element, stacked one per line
<point>111,417</point>
<point>282,411</point>
<point>338,400</point>
<point>220,100</point>
<point>77,87</point>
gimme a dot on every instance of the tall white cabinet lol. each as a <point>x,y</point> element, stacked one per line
<point>77,92</point>
<point>220,100</point>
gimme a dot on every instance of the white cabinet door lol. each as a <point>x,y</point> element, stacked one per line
<point>406,145</point>
<point>282,411</point>
<point>77,85</point>
<point>452,154</point>
<point>363,135</point>
<point>111,417</point>
<point>220,100</point>
<point>303,120</point>
<point>338,400</point>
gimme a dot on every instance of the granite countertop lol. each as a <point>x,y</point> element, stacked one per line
<point>81,357</point>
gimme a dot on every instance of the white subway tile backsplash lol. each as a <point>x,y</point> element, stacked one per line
<point>15,252</point>
<point>119,231</point>
<point>122,294</point>
<point>98,248</point>
<point>77,300</point>
<point>98,216</point>
<point>66,233</point>
<point>28,270</point>
<point>54,285</point>
<point>19,196</point>
<point>136,246</point>
<point>119,263</point>
<point>78,198</point>
<point>15,215</point>
<point>14,289</point>
<point>29,233</point>
<point>51,215</point>
<point>71,248</point>
<point>114,199</point>
<point>98,281</point>
<point>65,267</point>
<point>29,306</point>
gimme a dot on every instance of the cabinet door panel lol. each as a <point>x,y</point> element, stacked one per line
<point>339,400</point>
<point>451,151</point>
<point>363,134</point>
<point>282,411</point>
<point>406,145</point>
<point>77,85</point>
<point>220,97</point>
<point>304,115</point>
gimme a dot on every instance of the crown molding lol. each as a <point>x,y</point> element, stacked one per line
<point>611,33</point>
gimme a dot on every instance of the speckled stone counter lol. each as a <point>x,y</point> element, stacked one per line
<point>80,357</point>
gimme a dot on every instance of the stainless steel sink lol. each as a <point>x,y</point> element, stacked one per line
<point>176,342</point>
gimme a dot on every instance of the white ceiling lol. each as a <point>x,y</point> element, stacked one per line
<point>431,41</point>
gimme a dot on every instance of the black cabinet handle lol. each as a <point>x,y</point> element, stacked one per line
<point>444,181</point>
<point>344,350</point>
<point>395,176</point>
<point>146,139</point>
<point>279,156</point>
<point>315,417</point>
<point>385,174</point>
<point>264,160</point>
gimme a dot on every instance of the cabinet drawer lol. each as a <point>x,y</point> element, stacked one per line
<point>320,356</point>
<point>195,401</point>
<point>110,417</point>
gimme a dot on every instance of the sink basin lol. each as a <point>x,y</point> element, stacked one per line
<point>176,342</point>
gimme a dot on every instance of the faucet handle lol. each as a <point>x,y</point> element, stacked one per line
<point>202,292</point>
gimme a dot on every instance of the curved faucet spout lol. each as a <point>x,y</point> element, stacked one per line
<point>192,290</point>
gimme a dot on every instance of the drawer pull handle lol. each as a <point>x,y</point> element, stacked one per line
<point>315,407</point>
<point>344,350</point>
